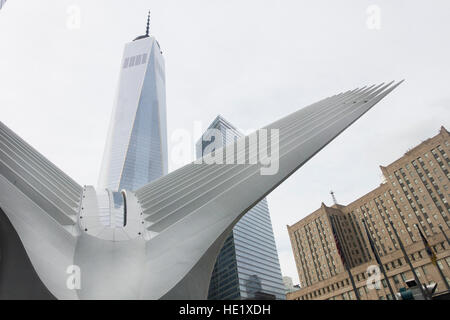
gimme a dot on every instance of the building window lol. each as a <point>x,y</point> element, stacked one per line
<point>361,291</point>
<point>132,59</point>
<point>417,272</point>
<point>403,275</point>
<point>396,280</point>
<point>138,60</point>
<point>424,269</point>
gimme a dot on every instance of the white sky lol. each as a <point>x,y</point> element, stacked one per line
<point>251,61</point>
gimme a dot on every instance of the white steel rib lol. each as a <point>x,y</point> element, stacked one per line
<point>176,225</point>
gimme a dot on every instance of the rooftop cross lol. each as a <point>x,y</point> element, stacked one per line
<point>333,196</point>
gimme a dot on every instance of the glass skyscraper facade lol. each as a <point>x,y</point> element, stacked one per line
<point>247,266</point>
<point>136,147</point>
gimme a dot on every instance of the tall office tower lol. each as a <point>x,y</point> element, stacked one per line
<point>136,147</point>
<point>247,266</point>
<point>415,191</point>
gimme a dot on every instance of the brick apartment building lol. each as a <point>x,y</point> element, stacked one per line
<point>415,192</point>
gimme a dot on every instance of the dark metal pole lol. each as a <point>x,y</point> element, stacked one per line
<point>344,260</point>
<point>353,284</point>
<point>377,258</point>
<point>445,235</point>
<point>443,277</point>
<point>424,293</point>
<point>432,256</point>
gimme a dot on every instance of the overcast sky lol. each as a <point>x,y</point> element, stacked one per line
<point>250,61</point>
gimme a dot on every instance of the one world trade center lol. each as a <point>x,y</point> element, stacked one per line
<point>136,146</point>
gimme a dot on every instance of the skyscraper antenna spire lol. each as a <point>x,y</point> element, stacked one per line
<point>148,24</point>
<point>147,30</point>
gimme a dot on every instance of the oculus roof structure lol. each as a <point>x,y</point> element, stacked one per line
<point>173,227</point>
